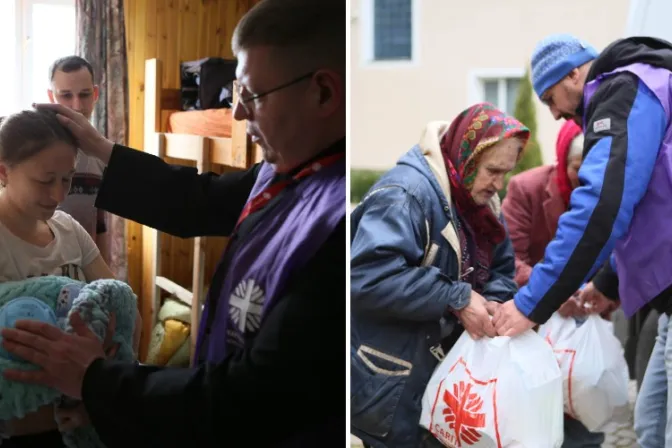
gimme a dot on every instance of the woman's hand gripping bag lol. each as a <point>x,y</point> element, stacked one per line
<point>595,373</point>
<point>54,299</point>
<point>496,393</point>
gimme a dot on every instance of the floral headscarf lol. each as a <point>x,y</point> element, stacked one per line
<point>469,135</point>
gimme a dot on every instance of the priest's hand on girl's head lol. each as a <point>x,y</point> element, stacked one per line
<point>89,139</point>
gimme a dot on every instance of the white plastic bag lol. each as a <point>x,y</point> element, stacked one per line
<point>595,373</point>
<point>496,393</point>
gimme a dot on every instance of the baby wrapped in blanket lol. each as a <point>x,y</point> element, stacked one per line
<point>53,300</point>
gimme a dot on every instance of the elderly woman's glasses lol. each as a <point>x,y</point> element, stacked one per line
<point>245,100</point>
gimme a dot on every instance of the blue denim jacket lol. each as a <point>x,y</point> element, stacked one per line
<point>404,276</point>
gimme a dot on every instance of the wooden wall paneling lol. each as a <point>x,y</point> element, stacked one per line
<point>152,260</point>
<point>184,21</point>
<point>151,28</point>
<point>206,36</point>
<point>162,37</point>
<point>190,12</point>
<point>136,40</point>
<point>172,56</point>
<point>199,251</point>
<point>172,31</point>
<point>149,99</point>
<point>202,33</point>
<point>223,34</point>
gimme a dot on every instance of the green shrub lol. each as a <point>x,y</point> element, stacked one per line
<point>525,112</point>
<point>360,183</point>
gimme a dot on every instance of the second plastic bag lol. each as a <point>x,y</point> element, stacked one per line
<point>496,393</point>
<point>595,373</point>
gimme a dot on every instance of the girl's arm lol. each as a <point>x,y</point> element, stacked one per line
<point>97,270</point>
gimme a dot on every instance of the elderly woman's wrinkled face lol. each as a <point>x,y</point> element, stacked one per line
<point>495,163</point>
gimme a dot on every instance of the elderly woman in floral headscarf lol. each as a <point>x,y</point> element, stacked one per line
<point>430,258</point>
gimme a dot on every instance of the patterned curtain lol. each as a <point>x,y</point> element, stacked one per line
<point>101,41</point>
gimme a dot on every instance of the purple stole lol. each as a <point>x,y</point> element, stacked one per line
<point>276,250</point>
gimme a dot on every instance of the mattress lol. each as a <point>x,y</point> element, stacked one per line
<point>206,123</point>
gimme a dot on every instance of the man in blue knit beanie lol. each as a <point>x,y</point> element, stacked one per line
<point>560,64</point>
<point>617,229</point>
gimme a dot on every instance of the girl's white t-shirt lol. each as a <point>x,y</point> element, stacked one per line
<point>71,249</point>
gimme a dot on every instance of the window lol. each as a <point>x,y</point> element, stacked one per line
<point>50,35</point>
<point>8,54</point>
<point>389,30</point>
<point>34,34</point>
<point>501,92</point>
<point>496,86</point>
<point>392,30</point>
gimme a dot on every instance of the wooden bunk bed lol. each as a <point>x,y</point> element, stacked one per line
<point>235,152</point>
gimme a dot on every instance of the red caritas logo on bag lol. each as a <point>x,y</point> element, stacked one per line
<point>469,411</point>
<point>463,414</point>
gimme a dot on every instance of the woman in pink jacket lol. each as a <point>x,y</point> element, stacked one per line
<point>534,201</point>
<point>536,198</point>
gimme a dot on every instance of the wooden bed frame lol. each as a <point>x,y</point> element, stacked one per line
<point>235,152</point>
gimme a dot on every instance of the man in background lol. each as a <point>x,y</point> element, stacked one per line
<point>72,85</point>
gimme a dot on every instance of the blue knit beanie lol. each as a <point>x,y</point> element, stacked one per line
<point>554,57</point>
